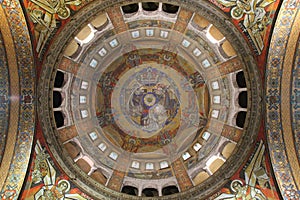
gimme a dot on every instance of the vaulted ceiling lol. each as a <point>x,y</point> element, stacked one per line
<point>162,99</point>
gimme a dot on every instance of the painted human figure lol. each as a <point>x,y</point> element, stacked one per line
<point>45,13</point>
<point>154,107</point>
<point>51,192</point>
<point>51,189</point>
<point>243,192</point>
<point>254,14</point>
<point>131,143</point>
<point>135,104</point>
<point>157,116</point>
<point>253,172</point>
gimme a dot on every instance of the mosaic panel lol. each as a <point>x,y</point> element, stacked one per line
<point>150,23</point>
<point>68,65</point>
<point>46,17</point>
<point>117,19</point>
<point>140,111</point>
<point>184,17</point>
<point>231,133</point>
<point>254,19</point>
<point>150,175</point>
<point>295,100</point>
<point>46,181</point>
<point>274,111</point>
<point>230,66</point>
<point>116,180</point>
<point>254,180</point>
<point>4,97</point>
<point>182,176</point>
<point>26,124</point>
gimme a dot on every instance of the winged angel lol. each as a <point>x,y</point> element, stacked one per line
<point>253,173</point>
<point>254,10</point>
<point>254,13</point>
<point>45,15</point>
<point>45,172</point>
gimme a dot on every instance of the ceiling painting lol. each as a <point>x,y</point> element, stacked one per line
<point>254,19</point>
<point>46,181</point>
<point>161,99</point>
<point>254,180</point>
<point>145,102</point>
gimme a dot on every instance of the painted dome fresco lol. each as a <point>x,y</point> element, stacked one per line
<point>150,93</point>
<point>147,100</point>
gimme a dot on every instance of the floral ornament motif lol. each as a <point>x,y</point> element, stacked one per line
<point>8,194</point>
<point>290,192</point>
<point>8,3</point>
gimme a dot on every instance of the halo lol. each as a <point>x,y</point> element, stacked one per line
<point>236,13</point>
<point>64,181</point>
<point>234,181</point>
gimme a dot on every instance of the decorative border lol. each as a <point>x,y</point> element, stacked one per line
<point>23,122</point>
<point>4,99</point>
<point>278,99</point>
<point>295,100</point>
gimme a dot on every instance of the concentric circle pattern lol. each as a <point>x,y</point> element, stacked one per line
<point>150,100</point>
<point>145,106</point>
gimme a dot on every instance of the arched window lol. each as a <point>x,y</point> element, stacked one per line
<point>131,8</point>
<point>59,79</point>
<point>169,8</point>
<point>59,119</point>
<point>150,6</point>
<point>243,99</point>
<point>57,99</point>
<point>240,119</point>
<point>130,190</point>
<point>150,192</point>
<point>240,79</point>
<point>170,190</point>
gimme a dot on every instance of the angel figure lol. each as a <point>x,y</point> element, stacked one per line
<point>45,14</point>
<point>253,9</point>
<point>253,173</point>
<point>254,14</point>
<point>45,172</point>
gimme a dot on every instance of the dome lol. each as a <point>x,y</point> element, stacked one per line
<point>161,99</point>
<point>165,98</point>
